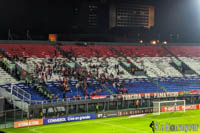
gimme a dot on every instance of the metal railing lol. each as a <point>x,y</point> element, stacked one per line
<point>61,100</point>
<point>8,117</point>
<point>20,93</point>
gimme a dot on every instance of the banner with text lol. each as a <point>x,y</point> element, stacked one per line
<point>135,112</point>
<point>179,108</point>
<point>55,120</point>
<point>81,117</point>
<point>149,95</point>
<point>28,123</point>
<point>68,118</point>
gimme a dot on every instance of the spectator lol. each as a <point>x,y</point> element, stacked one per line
<point>97,108</point>
<point>137,103</point>
<point>64,94</point>
<point>125,91</point>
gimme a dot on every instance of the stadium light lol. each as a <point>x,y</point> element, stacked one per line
<point>141,41</point>
<point>164,42</point>
<point>153,42</point>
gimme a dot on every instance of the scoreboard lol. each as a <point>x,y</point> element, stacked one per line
<point>131,16</point>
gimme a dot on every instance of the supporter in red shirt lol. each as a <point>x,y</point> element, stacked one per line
<point>86,97</point>
<point>64,80</point>
<point>46,76</point>
<point>125,90</point>
<point>99,91</point>
<point>85,92</point>
<point>63,72</point>
<point>79,97</point>
<point>95,93</point>
<point>74,97</point>
<point>66,72</point>
<point>60,80</point>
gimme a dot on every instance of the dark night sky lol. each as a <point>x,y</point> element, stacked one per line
<point>42,16</point>
<point>23,14</point>
<point>178,16</point>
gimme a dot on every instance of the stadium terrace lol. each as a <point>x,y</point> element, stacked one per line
<point>55,83</point>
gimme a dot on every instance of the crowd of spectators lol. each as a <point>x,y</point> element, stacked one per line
<point>57,68</point>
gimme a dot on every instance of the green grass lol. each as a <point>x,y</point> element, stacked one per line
<point>116,124</point>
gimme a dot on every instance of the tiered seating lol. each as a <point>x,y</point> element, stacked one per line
<point>5,77</point>
<point>30,66</point>
<point>142,51</point>
<point>153,59</point>
<point>193,62</point>
<point>171,84</point>
<point>54,88</point>
<point>163,64</point>
<point>110,61</point>
<point>156,66</point>
<point>185,51</point>
<point>89,51</point>
<point>158,51</point>
<point>141,85</point>
<point>181,84</point>
<point>34,94</point>
<point>29,50</point>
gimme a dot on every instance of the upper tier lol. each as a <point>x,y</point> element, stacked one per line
<point>30,50</point>
<point>41,50</point>
<point>139,51</point>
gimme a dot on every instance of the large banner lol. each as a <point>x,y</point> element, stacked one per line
<point>134,112</point>
<point>98,97</point>
<point>69,118</point>
<point>55,120</point>
<point>27,123</point>
<point>107,114</point>
<point>194,92</point>
<point>149,95</point>
<point>81,117</point>
<point>179,108</point>
<point>124,113</point>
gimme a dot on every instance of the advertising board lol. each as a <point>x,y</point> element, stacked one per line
<point>69,118</point>
<point>27,123</point>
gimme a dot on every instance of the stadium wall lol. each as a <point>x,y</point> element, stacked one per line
<point>55,120</point>
<point>45,121</point>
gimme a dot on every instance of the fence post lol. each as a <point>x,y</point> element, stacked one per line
<point>22,115</point>
<point>42,108</point>
<point>5,119</point>
<point>14,113</point>
<point>87,107</point>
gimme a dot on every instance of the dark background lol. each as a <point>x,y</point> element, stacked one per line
<point>60,16</point>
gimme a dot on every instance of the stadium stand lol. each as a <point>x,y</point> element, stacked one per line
<point>100,71</point>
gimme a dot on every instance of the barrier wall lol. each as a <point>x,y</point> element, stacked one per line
<point>36,122</point>
<point>124,113</point>
<point>69,119</point>
<point>27,123</point>
<point>180,108</point>
<point>54,120</point>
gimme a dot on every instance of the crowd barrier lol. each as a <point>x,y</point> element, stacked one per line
<point>37,122</point>
<point>180,108</point>
<point>45,121</point>
<point>129,96</point>
<point>28,123</point>
<point>69,119</point>
<point>124,113</point>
